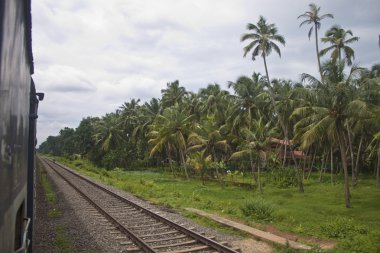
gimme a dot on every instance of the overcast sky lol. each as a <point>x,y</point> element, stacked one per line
<point>91,56</point>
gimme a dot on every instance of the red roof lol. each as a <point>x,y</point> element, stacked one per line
<point>298,154</point>
<point>281,142</point>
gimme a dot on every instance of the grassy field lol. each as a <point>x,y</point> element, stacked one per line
<point>319,212</point>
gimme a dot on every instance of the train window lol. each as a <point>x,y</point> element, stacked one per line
<point>19,227</point>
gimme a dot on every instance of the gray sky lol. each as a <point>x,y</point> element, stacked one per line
<point>93,55</point>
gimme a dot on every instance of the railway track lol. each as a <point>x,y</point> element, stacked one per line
<point>142,229</point>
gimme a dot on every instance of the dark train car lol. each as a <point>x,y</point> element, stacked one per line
<point>18,112</point>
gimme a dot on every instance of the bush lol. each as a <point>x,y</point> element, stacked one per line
<point>341,227</point>
<point>258,209</point>
<point>282,178</point>
<point>357,244</point>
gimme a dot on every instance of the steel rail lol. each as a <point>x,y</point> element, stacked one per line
<point>123,229</point>
<point>209,242</point>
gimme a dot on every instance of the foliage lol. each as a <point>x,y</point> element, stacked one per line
<point>303,214</point>
<point>330,119</point>
<point>342,227</point>
<point>282,178</point>
<point>258,209</point>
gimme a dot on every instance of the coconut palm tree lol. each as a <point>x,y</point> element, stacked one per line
<point>174,93</point>
<point>262,41</point>
<point>147,113</point>
<point>207,139</point>
<point>199,162</point>
<point>336,36</point>
<point>171,130</point>
<point>248,93</point>
<point>288,96</point>
<point>329,118</point>
<point>254,144</point>
<point>314,18</point>
<point>108,133</point>
<point>214,101</point>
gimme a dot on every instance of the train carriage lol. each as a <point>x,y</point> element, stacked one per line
<point>18,113</point>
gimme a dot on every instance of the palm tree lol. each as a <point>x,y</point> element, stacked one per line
<point>255,144</point>
<point>337,37</point>
<point>214,101</point>
<point>207,139</point>
<point>199,162</point>
<point>330,116</point>
<point>312,17</point>
<point>248,92</point>
<point>171,130</point>
<point>108,134</point>
<point>288,96</point>
<point>262,43</point>
<point>147,112</point>
<point>172,94</point>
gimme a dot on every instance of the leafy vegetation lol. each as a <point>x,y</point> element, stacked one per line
<point>317,212</point>
<point>320,135</point>
<point>258,209</point>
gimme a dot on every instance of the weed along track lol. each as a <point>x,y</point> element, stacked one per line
<point>134,226</point>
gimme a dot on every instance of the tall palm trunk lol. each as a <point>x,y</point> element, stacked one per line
<point>285,146</point>
<point>220,179</point>
<point>345,169</point>
<point>317,49</point>
<point>170,158</point>
<point>378,169</point>
<point>258,177</point>
<point>353,174</point>
<point>266,69</point>
<point>332,165</point>
<point>252,167</point>
<point>322,169</point>
<point>184,163</point>
<point>311,164</point>
<point>358,156</point>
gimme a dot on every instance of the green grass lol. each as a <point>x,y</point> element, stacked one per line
<point>62,242</point>
<point>317,212</point>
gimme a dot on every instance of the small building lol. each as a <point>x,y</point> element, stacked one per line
<point>281,146</point>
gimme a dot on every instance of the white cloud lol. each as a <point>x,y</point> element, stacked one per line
<point>93,55</point>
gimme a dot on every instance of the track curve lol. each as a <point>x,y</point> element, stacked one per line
<point>147,230</point>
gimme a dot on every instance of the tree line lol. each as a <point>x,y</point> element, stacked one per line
<point>332,118</point>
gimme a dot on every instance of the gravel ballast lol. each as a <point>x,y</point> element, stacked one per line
<point>90,233</point>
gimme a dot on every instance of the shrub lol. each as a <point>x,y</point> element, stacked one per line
<point>282,178</point>
<point>176,194</point>
<point>258,209</point>
<point>341,227</point>
<point>104,173</point>
<point>357,244</point>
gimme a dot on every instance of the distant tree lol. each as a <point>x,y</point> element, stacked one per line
<point>330,116</point>
<point>313,17</point>
<point>262,41</point>
<point>199,162</point>
<point>214,102</point>
<point>84,133</point>
<point>337,37</point>
<point>108,133</point>
<point>254,144</point>
<point>174,93</point>
<point>171,130</point>
<point>248,102</point>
